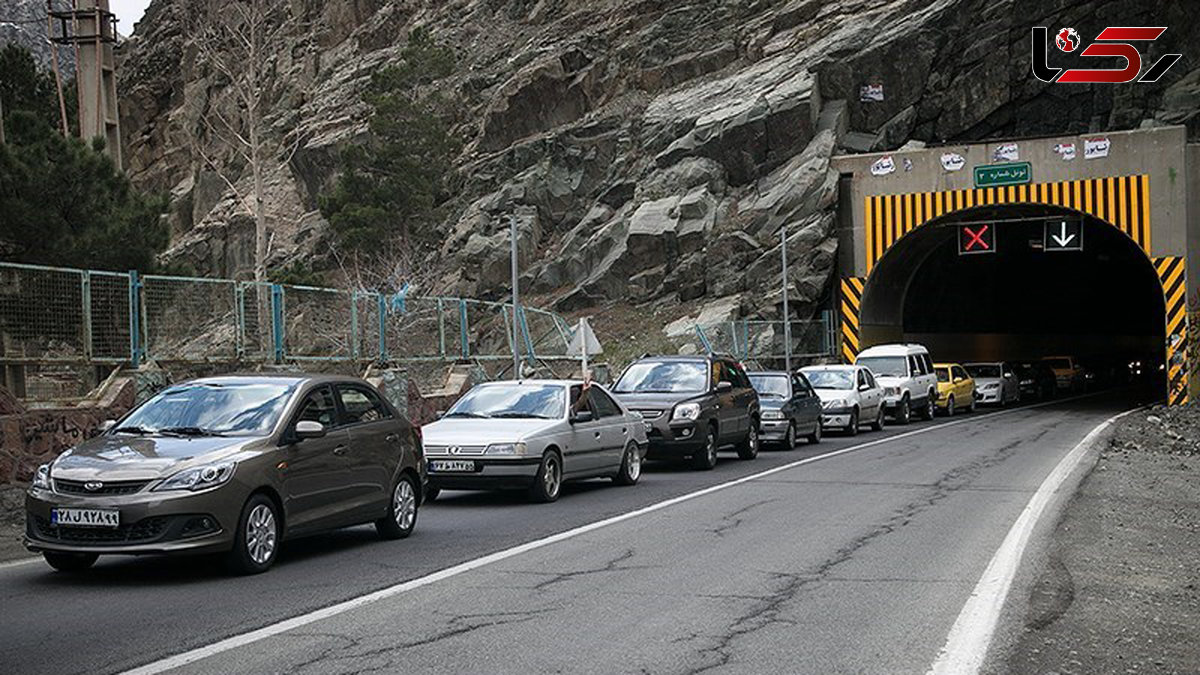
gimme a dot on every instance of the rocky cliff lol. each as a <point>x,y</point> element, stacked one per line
<point>649,148</point>
<point>23,23</point>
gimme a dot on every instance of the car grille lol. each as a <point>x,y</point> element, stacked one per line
<point>77,487</point>
<point>144,530</point>
<point>650,414</point>
<point>455,449</point>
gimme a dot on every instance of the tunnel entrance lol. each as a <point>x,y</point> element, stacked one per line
<point>1103,305</point>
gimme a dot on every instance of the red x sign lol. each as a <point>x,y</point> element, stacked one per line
<point>976,239</point>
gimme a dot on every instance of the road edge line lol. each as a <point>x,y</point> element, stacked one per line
<point>971,635</point>
<point>271,630</point>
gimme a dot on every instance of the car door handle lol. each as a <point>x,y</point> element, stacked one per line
<point>339,450</point>
<point>596,434</point>
<point>391,438</point>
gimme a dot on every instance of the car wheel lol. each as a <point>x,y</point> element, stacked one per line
<point>852,427</point>
<point>431,493</point>
<point>928,411</point>
<point>904,411</point>
<point>950,406</point>
<point>815,436</point>
<point>973,404</point>
<point>789,440</point>
<point>548,482</point>
<point>631,466</point>
<point>706,459</point>
<point>70,562</point>
<point>748,449</point>
<point>401,517</point>
<point>256,541</point>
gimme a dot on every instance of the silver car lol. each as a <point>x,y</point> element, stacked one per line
<point>533,435</point>
<point>995,382</point>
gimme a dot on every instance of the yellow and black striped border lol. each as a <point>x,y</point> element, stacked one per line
<point>852,291</point>
<point>1173,277</point>
<point>1122,201</point>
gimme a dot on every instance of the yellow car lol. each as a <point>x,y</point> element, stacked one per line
<point>955,388</point>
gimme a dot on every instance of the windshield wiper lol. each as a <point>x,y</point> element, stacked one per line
<point>464,413</point>
<point>189,431</point>
<point>515,415</point>
<point>141,431</point>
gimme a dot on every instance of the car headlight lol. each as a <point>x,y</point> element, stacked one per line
<point>41,477</point>
<point>505,449</point>
<point>836,403</point>
<point>892,391</point>
<point>686,411</point>
<point>200,478</point>
<point>772,415</point>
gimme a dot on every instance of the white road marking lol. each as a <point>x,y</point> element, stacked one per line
<point>233,642</point>
<point>967,645</point>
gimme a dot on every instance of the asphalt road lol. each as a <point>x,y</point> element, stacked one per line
<point>855,563</point>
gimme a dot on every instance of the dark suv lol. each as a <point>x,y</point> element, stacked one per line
<point>692,405</point>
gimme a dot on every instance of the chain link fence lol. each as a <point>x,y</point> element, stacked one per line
<point>767,340</point>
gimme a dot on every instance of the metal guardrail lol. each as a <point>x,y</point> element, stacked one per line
<point>52,315</point>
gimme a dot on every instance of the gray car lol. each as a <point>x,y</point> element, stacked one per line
<point>789,407</point>
<point>533,435</point>
<point>231,465</point>
<point>995,382</point>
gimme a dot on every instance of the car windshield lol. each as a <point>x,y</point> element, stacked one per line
<point>664,377</point>
<point>830,379</point>
<point>770,386</point>
<point>539,401</point>
<point>209,408</point>
<point>984,370</point>
<point>1059,364</point>
<point>943,374</point>
<point>886,366</point>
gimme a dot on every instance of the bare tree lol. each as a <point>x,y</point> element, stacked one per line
<point>236,41</point>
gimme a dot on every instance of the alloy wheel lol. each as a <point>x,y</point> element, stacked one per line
<point>950,407</point>
<point>551,477</point>
<point>790,441</point>
<point>634,459</point>
<point>260,534</point>
<point>404,504</point>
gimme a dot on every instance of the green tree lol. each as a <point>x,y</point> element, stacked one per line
<point>389,185</point>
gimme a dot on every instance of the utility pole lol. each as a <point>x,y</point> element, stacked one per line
<point>91,29</point>
<point>787,324</point>
<point>516,299</point>
<point>1,121</point>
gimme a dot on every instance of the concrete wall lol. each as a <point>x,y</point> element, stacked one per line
<point>1158,152</point>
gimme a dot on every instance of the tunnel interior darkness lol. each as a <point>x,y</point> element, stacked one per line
<point>1103,303</point>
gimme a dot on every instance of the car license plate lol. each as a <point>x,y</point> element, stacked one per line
<point>86,517</point>
<point>451,466</point>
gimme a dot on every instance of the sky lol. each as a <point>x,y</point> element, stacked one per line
<point>128,12</point>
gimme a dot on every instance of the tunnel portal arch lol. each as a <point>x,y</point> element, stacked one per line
<point>907,237</point>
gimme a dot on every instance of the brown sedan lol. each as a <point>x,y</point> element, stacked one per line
<point>231,465</point>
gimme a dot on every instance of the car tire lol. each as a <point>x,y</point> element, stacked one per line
<point>973,405</point>
<point>904,411</point>
<point>256,540</point>
<point>548,483</point>
<point>815,436</point>
<point>70,562</point>
<point>748,448</point>
<point>706,459</point>
<point>631,466</point>
<point>927,413</point>
<point>789,439</point>
<point>431,493</point>
<point>950,405</point>
<point>401,516</point>
<point>852,427</point>
<point>877,425</point>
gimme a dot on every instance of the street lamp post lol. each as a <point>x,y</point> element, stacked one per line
<point>516,299</point>
<point>787,324</point>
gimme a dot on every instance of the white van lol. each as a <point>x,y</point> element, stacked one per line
<point>905,372</point>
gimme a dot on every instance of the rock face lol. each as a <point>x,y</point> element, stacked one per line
<point>649,150</point>
<point>23,23</point>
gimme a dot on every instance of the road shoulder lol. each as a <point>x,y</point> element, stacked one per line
<point>1117,590</point>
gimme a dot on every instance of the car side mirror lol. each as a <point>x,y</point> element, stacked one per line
<point>724,385</point>
<point>107,424</point>
<point>864,387</point>
<point>309,429</point>
<point>581,416</point>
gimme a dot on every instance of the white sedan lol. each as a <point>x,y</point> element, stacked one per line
<point>849,395</point>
